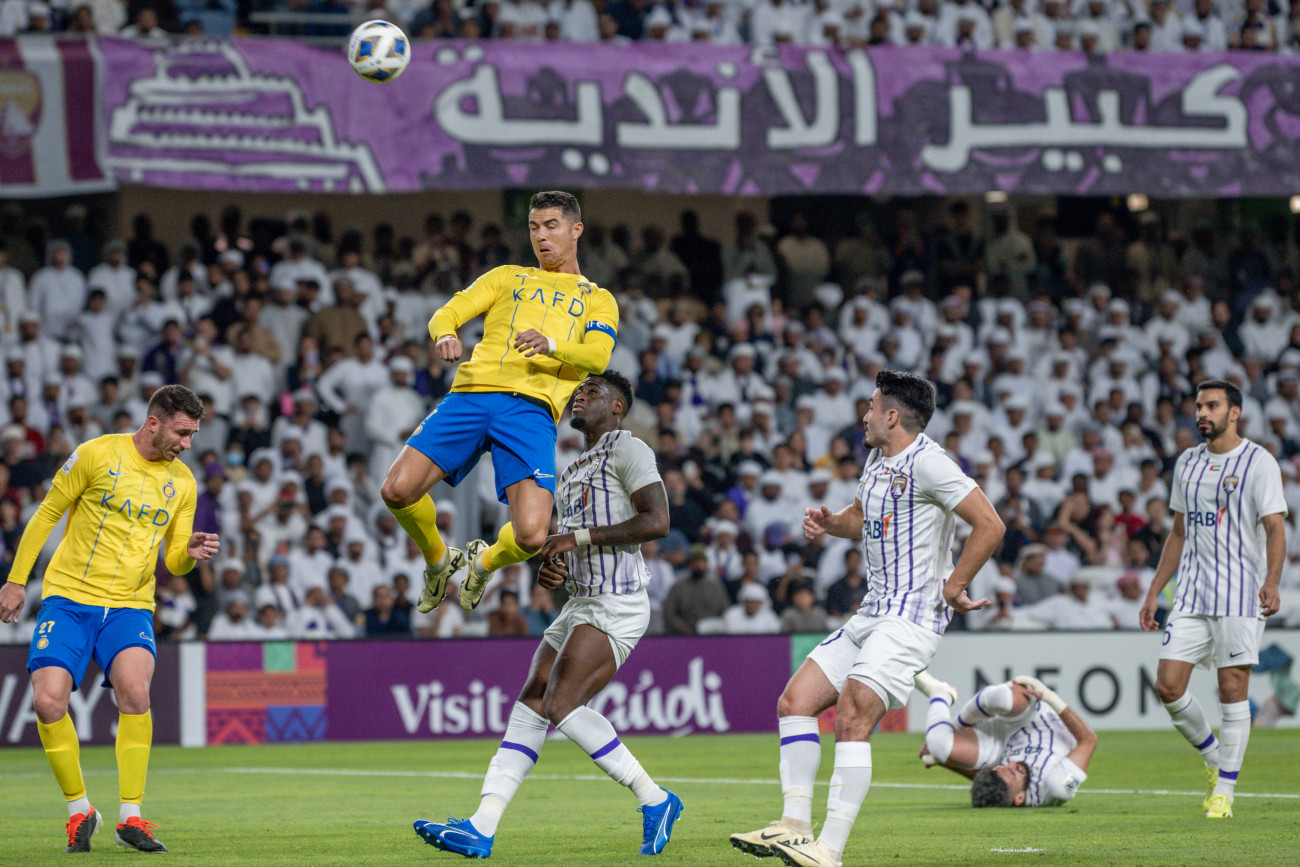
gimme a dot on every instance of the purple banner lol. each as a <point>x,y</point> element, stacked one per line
<point>50,119</point>
<point>456,689</point>
<point>272,115</point>
<point>92,708</point>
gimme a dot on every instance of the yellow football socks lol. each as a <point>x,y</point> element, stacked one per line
<point>420,521</point>
<point>505,550</point>
<point>134,737</point>
<point>63,751</point>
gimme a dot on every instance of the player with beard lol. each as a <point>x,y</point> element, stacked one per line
<point>611,500</point>
<point>125,497</point>
<point>905,512</point>
<point>1227,546</point>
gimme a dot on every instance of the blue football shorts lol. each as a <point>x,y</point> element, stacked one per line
<point>464,425</point>
<point>68,634</point>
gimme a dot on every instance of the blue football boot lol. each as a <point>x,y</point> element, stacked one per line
<point>458,836</point>
<point>657,823</point>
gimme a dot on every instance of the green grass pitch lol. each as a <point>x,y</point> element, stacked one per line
<point>353,804</point>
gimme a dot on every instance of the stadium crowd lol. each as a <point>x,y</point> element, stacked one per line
<point>1064,370</point>
<point>1094,26</point>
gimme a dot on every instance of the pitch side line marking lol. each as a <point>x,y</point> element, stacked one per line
<point>717,781</point>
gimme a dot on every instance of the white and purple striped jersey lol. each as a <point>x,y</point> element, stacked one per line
<point>1040,739</point>
<point>596,491</point>
<point>1222,498</point>
<point>907,527</point>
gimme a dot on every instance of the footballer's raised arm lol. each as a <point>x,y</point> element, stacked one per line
<point>469,302</point>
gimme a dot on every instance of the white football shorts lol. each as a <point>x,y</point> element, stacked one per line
<point>1213,642</point>
<point>882,651</point>
<point>624,618</point>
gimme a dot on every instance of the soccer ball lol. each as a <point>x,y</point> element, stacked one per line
<point>379,51</point>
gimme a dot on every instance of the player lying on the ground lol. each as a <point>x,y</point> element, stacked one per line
<point>611,500</point>
<point>1017,741</point>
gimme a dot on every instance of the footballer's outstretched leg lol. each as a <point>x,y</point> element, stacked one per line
<point>594,632</point>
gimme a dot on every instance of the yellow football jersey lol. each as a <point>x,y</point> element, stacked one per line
<point>121,509</point>
<point>578,315</point>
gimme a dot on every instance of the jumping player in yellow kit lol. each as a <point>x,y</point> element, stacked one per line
<point>544,330</point>
<point>125,496</point>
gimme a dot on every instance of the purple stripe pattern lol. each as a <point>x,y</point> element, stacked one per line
<point>805,737</point>
<point>590,493</point>
<point>1196,548</point>
<point>921,531</point>
<point>1205,743</point>
<point>911,549</point>
<point>1229,524</point>
<point>1186,573</point>
<point>1217,520</point>
<point>911,523</point>
<point>511,745</point>
<point>1256,576</point>
<point>600,561</point>
<point>606,749</point>
<point>1041,743</point>
<point>1228,775</point>
<point>604,484</point>
<point>1219,576</point>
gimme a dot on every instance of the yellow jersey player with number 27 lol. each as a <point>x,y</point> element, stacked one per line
<point>126,497</point>
<point>544,330</point>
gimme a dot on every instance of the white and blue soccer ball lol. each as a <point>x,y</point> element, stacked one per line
<point>379,51</point>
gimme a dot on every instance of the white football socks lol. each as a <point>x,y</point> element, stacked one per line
<point>801,754</point>
<point>80,805</point>
<point>593,733</point>
<point>525,735</point>
<point>127,811</point>
<point>850,782</point>
<point>939,729</point>
<point>1234,733</point>
<point>1191,723</point>
<point>989,702</point>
